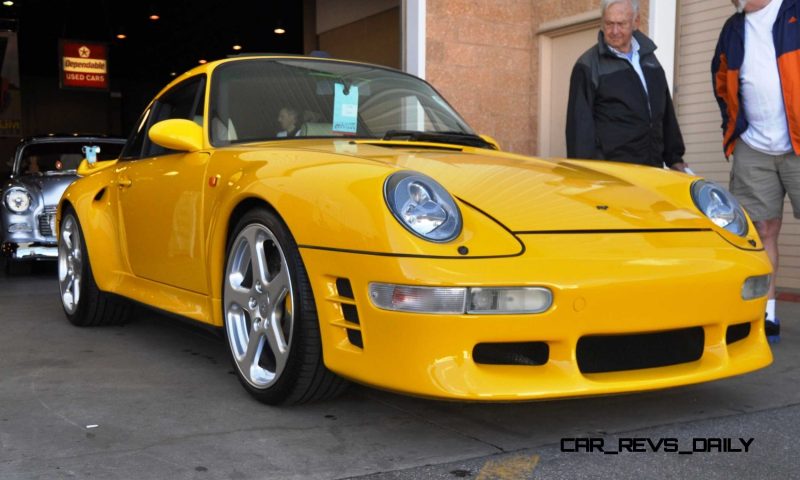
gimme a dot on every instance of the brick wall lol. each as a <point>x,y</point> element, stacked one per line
<point>483,56</point>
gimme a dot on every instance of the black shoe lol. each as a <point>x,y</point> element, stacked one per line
<point>773,329</point>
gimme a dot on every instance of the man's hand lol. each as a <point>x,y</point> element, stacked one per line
<point>682,167</point>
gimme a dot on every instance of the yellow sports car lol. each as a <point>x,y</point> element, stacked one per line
<point>339,221</point>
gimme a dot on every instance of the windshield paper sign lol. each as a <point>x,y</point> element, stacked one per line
<point>345,109</point>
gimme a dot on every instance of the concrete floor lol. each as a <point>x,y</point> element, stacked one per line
<point>157,399</point>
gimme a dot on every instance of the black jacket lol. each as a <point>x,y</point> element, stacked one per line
<point>608,116</point>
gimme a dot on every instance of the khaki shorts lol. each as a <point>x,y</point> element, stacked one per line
<point>760,182</point>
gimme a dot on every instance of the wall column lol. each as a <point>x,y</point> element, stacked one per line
<point>414,12</point>
<point>663,23</point>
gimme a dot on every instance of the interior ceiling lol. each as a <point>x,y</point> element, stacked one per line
<point>186,32</point>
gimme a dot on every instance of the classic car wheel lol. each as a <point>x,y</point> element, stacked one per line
<point>83,302</point>
<point>270,317</point>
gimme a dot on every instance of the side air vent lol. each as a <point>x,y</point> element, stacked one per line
<point>347,302</point>
<point>350,313</point>
<point>344,289</point>
<point>355,337</point>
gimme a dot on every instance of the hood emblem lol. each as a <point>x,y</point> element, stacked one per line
<point>602,207</point>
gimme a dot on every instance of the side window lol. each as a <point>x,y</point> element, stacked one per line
<point>183,101</point>
<point>133,148</point>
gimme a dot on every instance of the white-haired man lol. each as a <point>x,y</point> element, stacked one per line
<point>620,107</point>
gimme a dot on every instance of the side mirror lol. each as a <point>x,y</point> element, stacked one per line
<point>491,141</point>
<point>177,134</point>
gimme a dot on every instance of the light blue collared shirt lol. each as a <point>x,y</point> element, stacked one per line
<point>633,58</point>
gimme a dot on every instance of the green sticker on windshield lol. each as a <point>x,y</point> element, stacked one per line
<point>345,109</point>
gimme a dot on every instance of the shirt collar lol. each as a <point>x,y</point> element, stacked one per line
<point>634,50</point>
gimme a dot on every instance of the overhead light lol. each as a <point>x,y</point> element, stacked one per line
<point>237,47</point>
<point>279,30</point>
<point>173,74</point>
<point>121,36</point>
<point>8,3</point>
<point>202,61</point>
<point>154,17</point>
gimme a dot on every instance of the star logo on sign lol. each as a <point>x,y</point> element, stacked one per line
<point>84,52</point>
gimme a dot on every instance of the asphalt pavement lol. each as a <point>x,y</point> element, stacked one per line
<point>157,399</point>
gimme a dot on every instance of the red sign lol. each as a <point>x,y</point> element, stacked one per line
<point>84,65</point>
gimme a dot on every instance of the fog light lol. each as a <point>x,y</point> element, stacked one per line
<point>755,287</point>
<point>19,227</point>
<point>454,300</point>
<point>509,300</point>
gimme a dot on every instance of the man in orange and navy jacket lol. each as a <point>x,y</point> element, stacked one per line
<point>756,77</point>
<point>728,60</point>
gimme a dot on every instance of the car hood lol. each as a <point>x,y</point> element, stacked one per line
<point>51,187</point>
<point>531,195</point>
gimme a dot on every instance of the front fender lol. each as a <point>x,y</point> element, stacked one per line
<point>92,199</point>
<point>333,202</point>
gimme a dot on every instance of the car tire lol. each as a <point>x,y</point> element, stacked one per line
<point>84,303</point>
<point>271,321</point>
<point>18,267</point>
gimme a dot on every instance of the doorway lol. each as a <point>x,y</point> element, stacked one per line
<point>561,44</point>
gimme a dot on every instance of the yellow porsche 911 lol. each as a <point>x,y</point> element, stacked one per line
<point>339,221</point>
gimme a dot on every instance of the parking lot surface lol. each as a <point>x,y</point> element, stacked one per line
<point>157,399</point>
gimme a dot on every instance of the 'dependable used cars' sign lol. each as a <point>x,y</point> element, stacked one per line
<point>83,65</point>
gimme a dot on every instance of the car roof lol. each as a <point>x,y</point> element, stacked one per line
<point>70,137</point>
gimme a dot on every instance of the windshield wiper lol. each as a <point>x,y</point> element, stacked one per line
<point>456,138</point>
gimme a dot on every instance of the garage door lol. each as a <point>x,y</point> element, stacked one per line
<point>698,28</point>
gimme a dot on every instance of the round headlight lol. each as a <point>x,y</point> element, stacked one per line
<point>18,200</point>
<point>423,206</point>
<point>720,206</point>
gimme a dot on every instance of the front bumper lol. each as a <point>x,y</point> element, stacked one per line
<point>637,289</point>
<point>29,235</point>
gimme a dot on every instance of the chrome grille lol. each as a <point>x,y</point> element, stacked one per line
<point>46,220</point>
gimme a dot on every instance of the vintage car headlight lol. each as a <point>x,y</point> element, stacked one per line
<point>423,206</point>
<point>18,200</point>
<point>720,206</point>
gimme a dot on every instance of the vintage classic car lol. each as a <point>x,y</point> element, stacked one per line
<point>42,168</point>
<point>338,220</point>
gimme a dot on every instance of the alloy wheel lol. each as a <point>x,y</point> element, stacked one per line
<point>258,305</point>
<point>70,264</point>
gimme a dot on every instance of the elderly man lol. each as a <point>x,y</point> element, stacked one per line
<point>755,74</point>
<point>619,107</point>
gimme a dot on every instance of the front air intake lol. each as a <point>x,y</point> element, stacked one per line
<point>614,353</point>
<point>737,332</point>
<point>523,353</point>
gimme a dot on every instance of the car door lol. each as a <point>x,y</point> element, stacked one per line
<point>161,197</point>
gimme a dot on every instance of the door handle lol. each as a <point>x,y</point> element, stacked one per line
<point>124,182</point>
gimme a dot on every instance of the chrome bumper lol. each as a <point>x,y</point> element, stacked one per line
<point>35,252</point>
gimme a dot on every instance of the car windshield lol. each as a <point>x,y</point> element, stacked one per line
<point>264,99</point>
<point>52,158</point>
